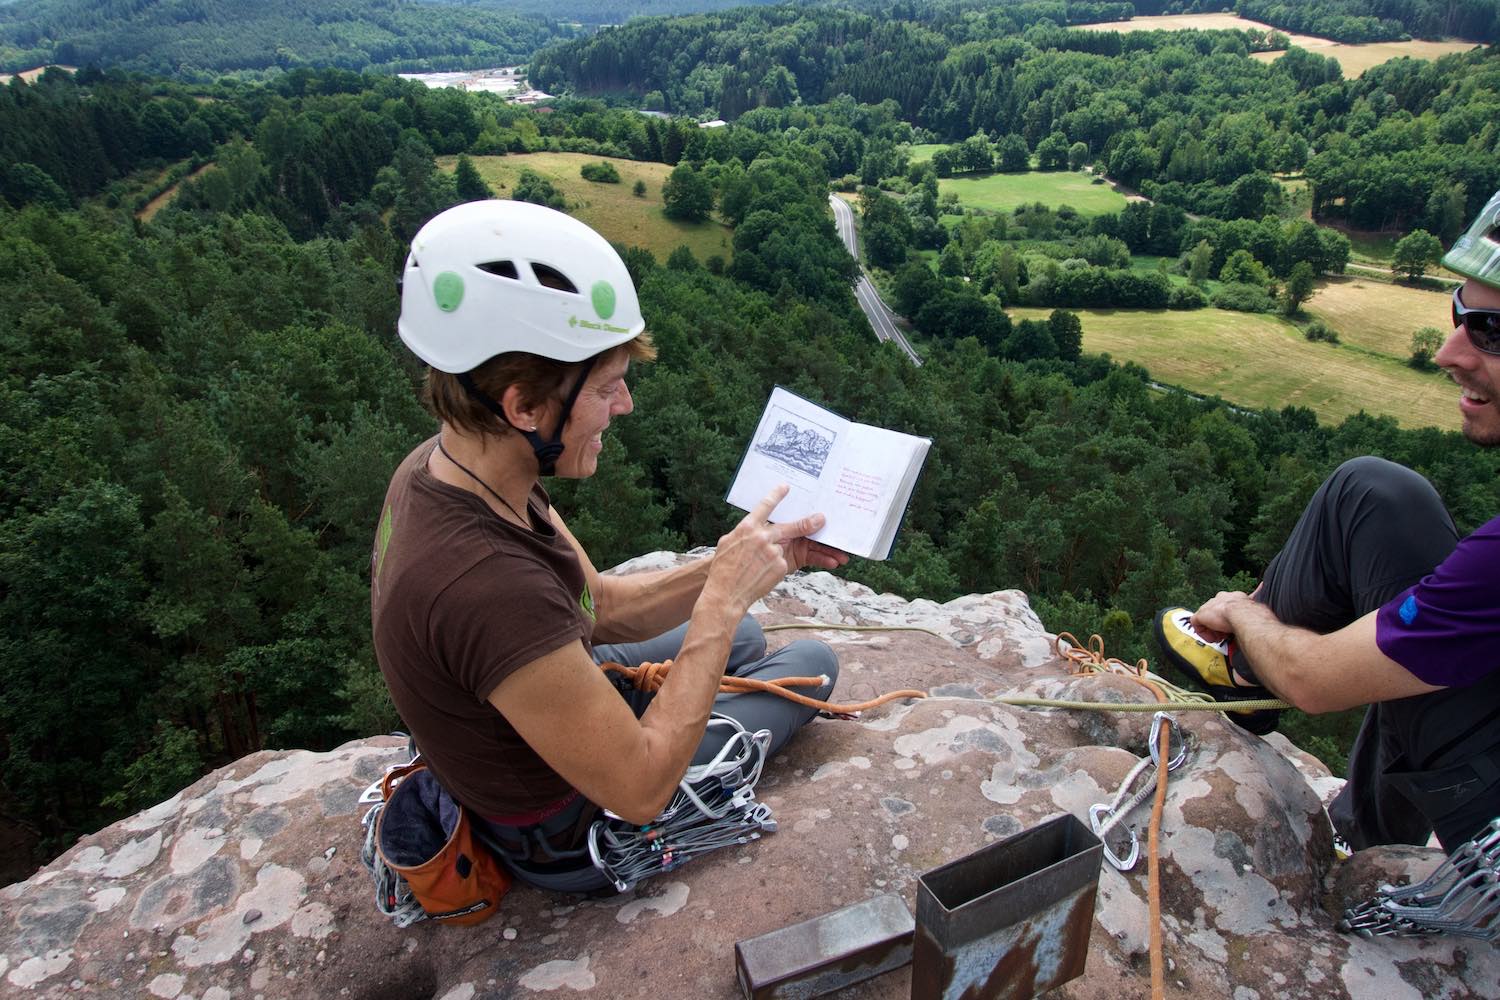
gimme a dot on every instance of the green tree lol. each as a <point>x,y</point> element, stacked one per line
<point>1241,268</point>
<point>1299,286</point>
<point>1424,345</point>
<point>639,188</point>
<point>1200,262</point>
<point>951,260</point>
<point>687,194</point>
<point>1013,156</point>
<point>533,187</point>
<point>471,186</point>
<point>1414,253</point>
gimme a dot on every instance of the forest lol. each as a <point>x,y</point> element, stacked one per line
<point>198,39</point>
<point>199,412</point>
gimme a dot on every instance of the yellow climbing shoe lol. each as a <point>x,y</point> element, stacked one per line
<point>1208,664</point>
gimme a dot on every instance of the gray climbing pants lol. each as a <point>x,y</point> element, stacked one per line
<point>1425,764</point>
<point>564,864</point>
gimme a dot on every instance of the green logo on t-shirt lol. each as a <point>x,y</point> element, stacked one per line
<point>586,602</point>
<point>383,538</point>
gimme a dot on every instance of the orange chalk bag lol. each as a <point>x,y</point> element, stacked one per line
<point>421,850</point>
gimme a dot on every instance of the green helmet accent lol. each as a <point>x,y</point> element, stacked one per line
<point>1476,254</point>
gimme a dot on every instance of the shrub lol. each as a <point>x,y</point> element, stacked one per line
<point>1186,297</point>
<point>1318,330</point>
<point>602,172</point>
<point>1243,298</point>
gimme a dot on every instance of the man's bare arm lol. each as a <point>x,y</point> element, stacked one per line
<point>1316,673</point>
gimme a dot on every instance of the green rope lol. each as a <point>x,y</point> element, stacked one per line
<point>1178,698</point>
<point>1149,706</point>
<point>854,628</point>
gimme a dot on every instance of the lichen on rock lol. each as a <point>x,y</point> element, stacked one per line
<point>160,904</point>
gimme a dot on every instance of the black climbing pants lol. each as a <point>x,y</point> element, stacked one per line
<point>1421,764</point>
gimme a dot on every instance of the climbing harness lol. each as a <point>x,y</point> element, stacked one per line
<point>714,806</point>
<point>1105,816</point>
<point>1462,896</point>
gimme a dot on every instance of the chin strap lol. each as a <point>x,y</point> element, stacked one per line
<point>547,452</point>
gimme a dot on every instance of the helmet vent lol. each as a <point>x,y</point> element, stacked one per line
<point>550,277</point>
<point>502,268</point>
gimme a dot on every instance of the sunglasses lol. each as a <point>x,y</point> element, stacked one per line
<point>1482,325</point>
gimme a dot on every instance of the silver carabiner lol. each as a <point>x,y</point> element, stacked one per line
<point>1101,830</point>
<point>1155,745</point>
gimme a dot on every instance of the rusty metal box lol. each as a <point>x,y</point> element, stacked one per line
<point>1010,920</point>
<point>826,953</point>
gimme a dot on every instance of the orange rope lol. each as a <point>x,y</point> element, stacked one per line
<point>649,677</point>
<point>1093,656</point>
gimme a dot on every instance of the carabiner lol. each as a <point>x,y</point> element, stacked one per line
<point>1155,745</point>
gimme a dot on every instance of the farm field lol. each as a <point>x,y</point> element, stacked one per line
<point>1003,192</point>
<point>1354,59</point>
<point>610,208</point>
<point>1378,316</point>
<point>1255,360</point>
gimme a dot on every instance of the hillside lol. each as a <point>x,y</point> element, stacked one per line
<point>202,37</point>
<point>196,38</point>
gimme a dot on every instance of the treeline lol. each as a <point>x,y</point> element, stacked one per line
<point>200,413</point>
<point>1360,21</point>
<point>202,38</point>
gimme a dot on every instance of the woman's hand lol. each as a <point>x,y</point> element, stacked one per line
<point>803,552</point>
<point>757,555</point>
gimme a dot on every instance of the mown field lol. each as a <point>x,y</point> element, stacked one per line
<point>1254,360</point>
<point>1354,59</point>
<point>612,209</point>
<point>1004,192</point>
<point>1379,316</point>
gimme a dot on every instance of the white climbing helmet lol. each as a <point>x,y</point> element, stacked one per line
<point>1476,254</point>
<point>488,277</point>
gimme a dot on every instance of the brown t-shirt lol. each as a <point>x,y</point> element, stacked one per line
<point>459,599</point>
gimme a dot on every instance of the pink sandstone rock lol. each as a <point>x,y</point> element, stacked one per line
<point>159,905</point>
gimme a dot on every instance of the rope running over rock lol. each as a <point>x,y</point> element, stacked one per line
<point>650,676</point>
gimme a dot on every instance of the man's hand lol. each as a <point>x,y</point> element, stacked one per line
<point>1213,620</point>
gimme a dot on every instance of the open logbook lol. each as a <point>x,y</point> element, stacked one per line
<point>860,477</point>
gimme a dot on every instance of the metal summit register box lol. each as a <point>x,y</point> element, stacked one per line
<point>1010,920</point>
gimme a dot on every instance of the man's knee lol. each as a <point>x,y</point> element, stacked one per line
<point>1381,482</point>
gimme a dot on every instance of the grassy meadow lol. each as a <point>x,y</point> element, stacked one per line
<point>1005,192</point>
<point>1379,316</point>
<point>612,209</point>
<point>1353,59</point>
<point>1255,360</point>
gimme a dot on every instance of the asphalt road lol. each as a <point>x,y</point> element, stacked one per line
<point>882,320</point>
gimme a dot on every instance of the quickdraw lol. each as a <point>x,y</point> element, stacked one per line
<point>714,806</point>
<point>1462,896</point>
<point>1105,816</point>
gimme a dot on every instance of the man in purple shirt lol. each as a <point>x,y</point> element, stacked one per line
<point>1374,600</point>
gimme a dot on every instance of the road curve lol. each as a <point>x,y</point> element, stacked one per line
<point>882,320</point>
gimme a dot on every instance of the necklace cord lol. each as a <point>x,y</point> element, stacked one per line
<point>525,521</point>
